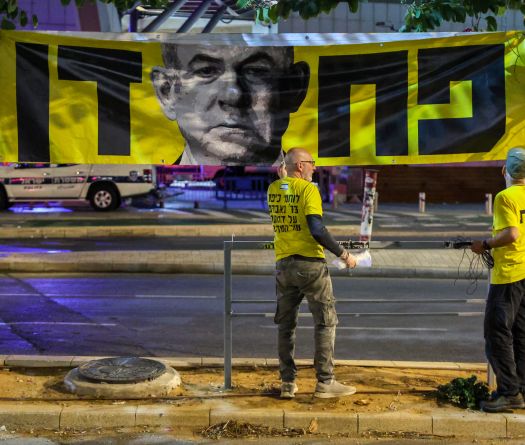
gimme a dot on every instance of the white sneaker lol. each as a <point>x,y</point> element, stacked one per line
<point>288,390</point>
<point>333,389</point>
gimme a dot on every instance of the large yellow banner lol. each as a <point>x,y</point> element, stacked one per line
<point>377,99</point>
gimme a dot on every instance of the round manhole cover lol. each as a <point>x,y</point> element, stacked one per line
<point>122,370</point>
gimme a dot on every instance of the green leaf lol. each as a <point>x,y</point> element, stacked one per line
<point>13,14</point>
<point>12,7</point>
<point>23,18</point>
<point>241,4</point>
<point>273,14</point>
<point>260,15</point>
<point>353,5</point>
<point>7,24</point>
<point>492,25</point>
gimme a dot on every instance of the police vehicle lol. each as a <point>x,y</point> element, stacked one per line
<point>104,186</point>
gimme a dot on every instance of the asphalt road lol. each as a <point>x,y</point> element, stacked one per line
<point>182,315</point>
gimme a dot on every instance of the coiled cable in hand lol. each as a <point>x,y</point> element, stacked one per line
<point>476,263</point>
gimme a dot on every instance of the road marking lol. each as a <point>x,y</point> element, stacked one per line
<point>256,214</point>
<point>434,224</point>
<point>370,314</point>
<point>202,297</point>
<point>129,296</point>
<point>368,328</point>
<point>215,213</point>
<point>176,211</point>
<point>18,295</point>
<point>332,214</point>
<point>61,323</point>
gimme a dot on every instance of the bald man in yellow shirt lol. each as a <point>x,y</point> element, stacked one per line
<point>295,207</point>
<point>505,310</point>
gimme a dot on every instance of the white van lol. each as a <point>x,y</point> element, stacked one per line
<point>103,186</point>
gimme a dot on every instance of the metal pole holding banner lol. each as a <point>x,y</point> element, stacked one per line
<point>227,315</point>
<point>367,213</point>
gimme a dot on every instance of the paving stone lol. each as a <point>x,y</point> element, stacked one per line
<point>426,365</point>
<point>19,416</point>
<point>38,361</point>
<point>478,425</point>
<point>327,423</point>
<point>91,416</point>
<point>372,363</point>
<point>273,418</point>
<point>387,422</point>
<point>166,415</point>
<point>515,425</point>
<point>81,359</point>
<point>213,362</point>
<point>252,362</point>
<point>180,362</point>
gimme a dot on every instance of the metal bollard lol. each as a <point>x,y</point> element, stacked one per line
<point>335,199</point>
<point>422,200</point>
<point>488,203</point>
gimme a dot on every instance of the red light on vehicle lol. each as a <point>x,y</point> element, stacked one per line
<point>147,174</point>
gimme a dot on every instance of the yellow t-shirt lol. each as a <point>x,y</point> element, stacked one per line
<point>509,211</point>
<point>289,201</point>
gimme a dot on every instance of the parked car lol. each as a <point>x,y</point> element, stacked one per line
<point>104,186</point>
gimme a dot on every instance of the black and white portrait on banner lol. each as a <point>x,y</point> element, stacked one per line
<point>232,103</point>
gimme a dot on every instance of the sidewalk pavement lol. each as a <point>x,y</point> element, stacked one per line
<point>71,414</point>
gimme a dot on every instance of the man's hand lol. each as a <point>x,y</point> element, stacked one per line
<point>281,171</point>
<point>350,261</point>
<point>477,247</point>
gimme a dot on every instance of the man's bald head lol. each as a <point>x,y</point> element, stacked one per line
<point>294,156</point>
<point>299,164</point>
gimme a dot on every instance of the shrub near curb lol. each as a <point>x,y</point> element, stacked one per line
<point>465,393</point>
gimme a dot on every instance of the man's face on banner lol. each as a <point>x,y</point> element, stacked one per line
<point>227,101</point>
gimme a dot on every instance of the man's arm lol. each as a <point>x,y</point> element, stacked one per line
<point>321,234</point>
<point>503,238</point>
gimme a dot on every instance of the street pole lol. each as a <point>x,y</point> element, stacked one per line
<point>367,212</point>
